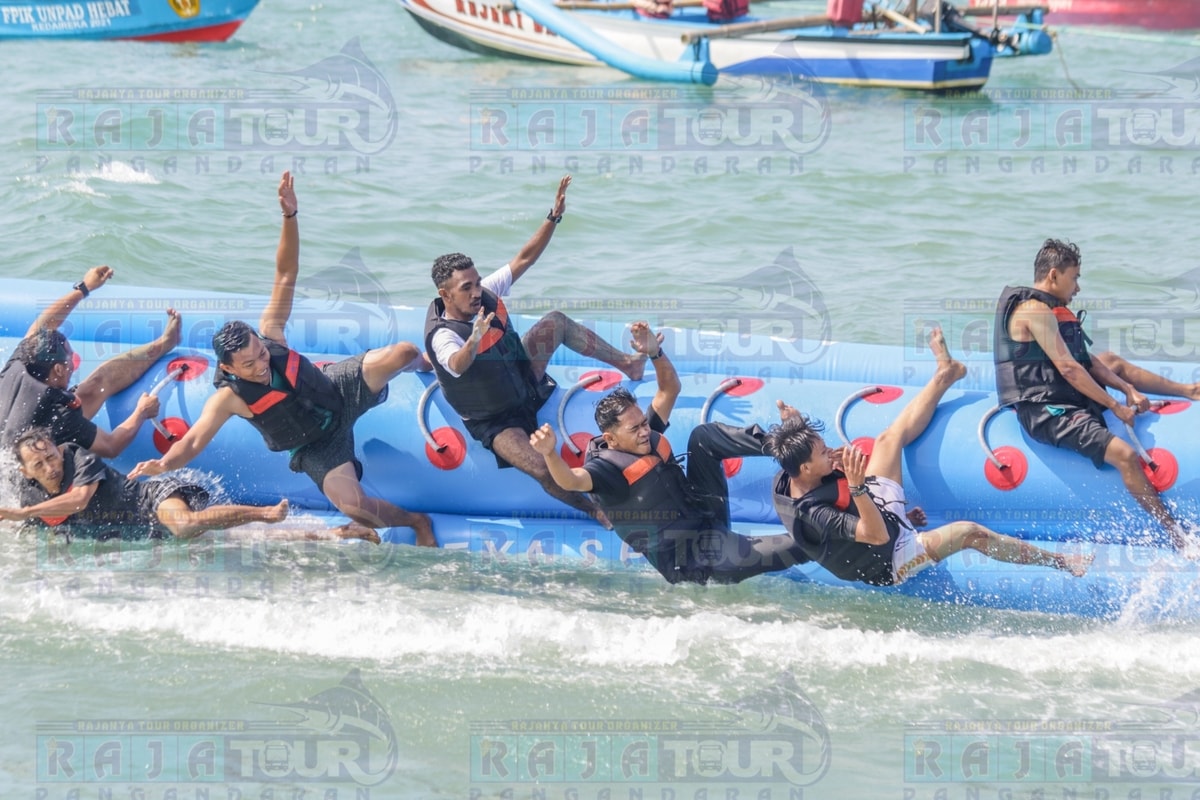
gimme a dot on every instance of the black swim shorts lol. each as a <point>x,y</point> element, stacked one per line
<point>1078,428</point>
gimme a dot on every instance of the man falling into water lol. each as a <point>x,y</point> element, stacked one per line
<point>294,405</point>
<point>494,378</point>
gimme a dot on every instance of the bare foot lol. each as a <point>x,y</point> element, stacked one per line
<point>275,513</point>
<point>352,530</point>
<point>1076,563</point>
<point>423,527</point>
<point>947,367</point>
<point>786,412</point>
<point>171,335</point>
<point>599,515</point>
<point>635,367</point>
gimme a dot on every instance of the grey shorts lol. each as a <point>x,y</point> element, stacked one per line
<point>317,459</point>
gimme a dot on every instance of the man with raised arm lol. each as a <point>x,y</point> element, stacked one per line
<point>494,378</point>
<point>34,383</point>
<point>679,522</point>
<point>74,493</point>
<point>1044,371</point>
<point>847,512</point>
<point>297,407</point>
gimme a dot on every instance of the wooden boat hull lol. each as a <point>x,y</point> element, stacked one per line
<point>148,20</point>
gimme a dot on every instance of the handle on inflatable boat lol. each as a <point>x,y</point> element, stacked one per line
<point>1141,451</point>
<point>158,387</point>
<point>725,386</point>
<point>866,391</point>
<point>983,442</point>
<point>588,380</point>
<point>422,422</point>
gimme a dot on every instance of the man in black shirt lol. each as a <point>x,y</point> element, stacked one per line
<point>72,491</point>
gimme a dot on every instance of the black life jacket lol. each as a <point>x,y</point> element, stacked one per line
<point>1024,373</point>
<point>848,560</point>
<point>659,500</point>
<point>26,402</point>
<point>292,417</point>
<point>500,378</point>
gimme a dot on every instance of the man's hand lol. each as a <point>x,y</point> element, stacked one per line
<point>1136,400</point>
<point>854,464</point>
<point>1125,413</point>
<point>97,277</point>
<point>786,412</point>
<point>287,195</point>
<point>483,321</point>
<point>916,515</point>
<point>560,199</point>
<point>147,406</point>
<point>543,440</point>
<point>643,340</point>
<point>11,514</point>
<point>146,469</point>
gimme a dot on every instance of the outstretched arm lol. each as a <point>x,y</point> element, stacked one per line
<point>111,445</point>
<point>218,409</point>
<point>573,479</point>
<point>56,313</point>
<point>287,265</point>
<point>69,502</point>
<point>645,341</point>
<point>537,243</point>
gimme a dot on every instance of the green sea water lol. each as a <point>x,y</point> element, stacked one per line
<point>894,202</point>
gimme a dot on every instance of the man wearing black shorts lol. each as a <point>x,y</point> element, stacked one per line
<point>1045,372</point>
<point>494,378</point>
<point>74,493</point>
<point>296,406</point>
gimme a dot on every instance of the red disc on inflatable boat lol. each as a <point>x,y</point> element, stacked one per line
<point>453,452</point>
<point>176,427</point>
<point>732,466</point>
<point>866,444</point>
<point>1015,470</point>
<point>194,367</point>
<point>886,394</point>
<point>608,380</point>
<point>1171,407</point>
<point>745,387</point>
<point>581,441</point>
<point>75,361</point>
<point>1166,472</point>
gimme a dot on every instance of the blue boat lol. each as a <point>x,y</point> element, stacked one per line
<point>416,452</point>
<point>880,48</point>
<point>149,20</point>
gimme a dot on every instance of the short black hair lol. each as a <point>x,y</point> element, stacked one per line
<point>29,438</point>
<point>232,337</point>
<point>1057,255</point>
<point>612,406</point>
<point>793,441</point>
<point>41,351</point>
<point>445,266</point>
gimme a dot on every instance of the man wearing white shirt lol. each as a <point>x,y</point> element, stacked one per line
<point>495,379</point>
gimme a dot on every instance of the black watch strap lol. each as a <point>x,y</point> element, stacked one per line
<point>555,218</point>
<point>82,288</point>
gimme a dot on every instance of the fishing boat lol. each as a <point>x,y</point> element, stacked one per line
<point>149,20</point>
<point>1164,15</point>
<point>852,44</point>
<point>973,462</point>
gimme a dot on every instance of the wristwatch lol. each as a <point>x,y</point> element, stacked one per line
<point>555,218</point>
<point>82,288</point>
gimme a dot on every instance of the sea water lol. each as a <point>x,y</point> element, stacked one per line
<point>289,671</point>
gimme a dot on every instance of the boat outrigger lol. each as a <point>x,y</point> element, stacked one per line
<point>853,43</point>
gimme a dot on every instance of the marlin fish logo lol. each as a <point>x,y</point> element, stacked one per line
<point>1183,290</point>
<point>349,709</point>
<point>786,299</point>
<point>350,79</point>
<point>1182,80</point>
<point>785,711</point>
<point>349,304</point>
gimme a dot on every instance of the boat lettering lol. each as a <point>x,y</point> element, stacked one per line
<point>509,19</point>
<point>66,16</point>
